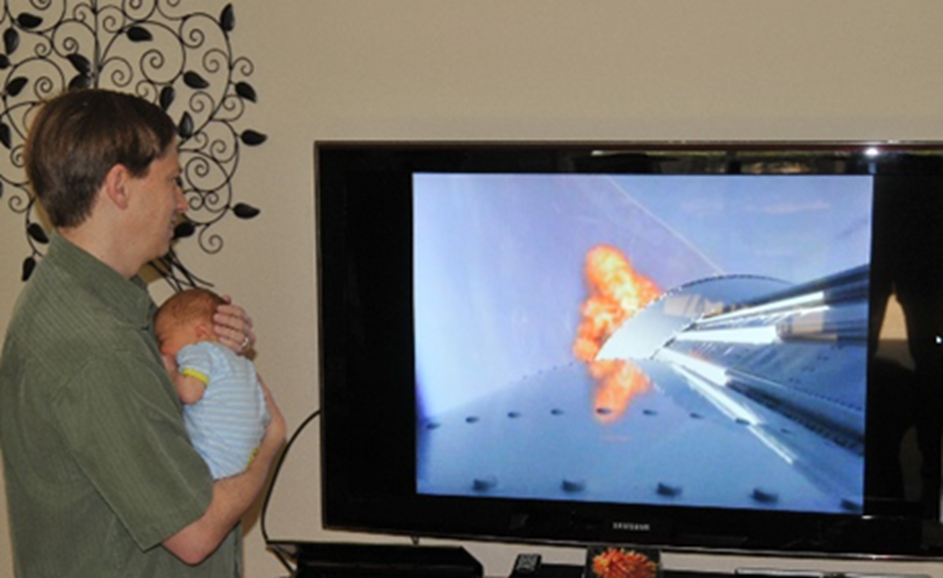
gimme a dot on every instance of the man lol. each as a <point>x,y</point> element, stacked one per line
<point>101,477</point>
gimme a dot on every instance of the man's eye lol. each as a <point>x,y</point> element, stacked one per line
<point>179,181</point>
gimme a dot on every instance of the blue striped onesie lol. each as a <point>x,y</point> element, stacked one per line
<point>227,424</point>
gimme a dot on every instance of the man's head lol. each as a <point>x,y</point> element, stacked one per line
<point>78,136</point>
<point>185,318</point>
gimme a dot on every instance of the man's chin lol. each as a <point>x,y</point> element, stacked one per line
<point>159,255</point>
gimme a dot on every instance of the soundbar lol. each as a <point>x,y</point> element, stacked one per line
<point>348,559</point>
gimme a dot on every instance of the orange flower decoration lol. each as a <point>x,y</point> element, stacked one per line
<point>619,563</point>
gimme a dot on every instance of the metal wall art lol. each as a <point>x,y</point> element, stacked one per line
<point>181,60</point>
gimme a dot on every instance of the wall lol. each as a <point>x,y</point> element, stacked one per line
<point>522,69</point>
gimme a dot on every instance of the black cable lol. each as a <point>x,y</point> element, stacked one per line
<point>271,488</point>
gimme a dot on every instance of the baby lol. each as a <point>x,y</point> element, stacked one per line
<point>224,408</point>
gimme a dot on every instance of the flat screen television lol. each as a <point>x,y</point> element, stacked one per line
<point>688,346</point>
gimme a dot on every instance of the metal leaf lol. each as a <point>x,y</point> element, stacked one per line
<point>245,90</point>
<point>139,34</point>
<point>185,127</point>
<point>80,81</point>
<point>4,62</point>
<point>6,135</point>
<point>37,232</point>
<point>16,85</point>
<point>11,40</point>
<point>227,19</point>
<point>252,138</point>
<point>184,229</point>
<point>194,80</point>
<point>28,265</point>
<point>244,211</point>
<point>29,21</point>
<point>167,95</point>
<point>80,63</point>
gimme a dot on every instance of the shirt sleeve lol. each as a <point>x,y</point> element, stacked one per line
<point>122,422</point>
<point>196,360</point>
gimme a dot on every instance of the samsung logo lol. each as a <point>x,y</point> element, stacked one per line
<point>632,526</point>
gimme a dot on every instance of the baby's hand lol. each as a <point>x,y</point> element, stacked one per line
<point>170,364</point>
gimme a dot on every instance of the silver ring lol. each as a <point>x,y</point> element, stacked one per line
<point>245,342</point>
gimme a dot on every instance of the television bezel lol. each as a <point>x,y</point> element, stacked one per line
<point>354,497</point>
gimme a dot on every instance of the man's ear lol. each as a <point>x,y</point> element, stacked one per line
<point>116,185</point>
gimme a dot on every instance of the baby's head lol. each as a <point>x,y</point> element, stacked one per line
<point>186,318</point>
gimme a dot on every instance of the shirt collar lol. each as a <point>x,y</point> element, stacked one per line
<point>129,298</point>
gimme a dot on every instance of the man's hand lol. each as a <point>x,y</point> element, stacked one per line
<point>233,327</point>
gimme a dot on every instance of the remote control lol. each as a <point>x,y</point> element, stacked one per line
<point>526,564</point>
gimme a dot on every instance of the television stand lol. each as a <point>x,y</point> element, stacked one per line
<point>577,571</point>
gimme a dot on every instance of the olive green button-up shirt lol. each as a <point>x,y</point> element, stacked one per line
<point>98,466</point>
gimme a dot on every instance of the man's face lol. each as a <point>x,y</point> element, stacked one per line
<point>158,205</point>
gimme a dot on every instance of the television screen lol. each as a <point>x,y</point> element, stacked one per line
<point>649,330</point>
<point>675,345</point>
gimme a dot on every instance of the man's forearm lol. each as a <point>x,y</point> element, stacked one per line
<point>232,498</point>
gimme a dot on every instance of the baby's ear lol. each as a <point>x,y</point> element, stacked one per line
<point>205,332</point>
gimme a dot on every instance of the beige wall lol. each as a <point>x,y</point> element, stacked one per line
<point>521,69</point>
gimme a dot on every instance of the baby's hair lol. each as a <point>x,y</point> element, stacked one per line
<point>190,304</point>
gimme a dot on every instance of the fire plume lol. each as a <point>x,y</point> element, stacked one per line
<point>616,292</point>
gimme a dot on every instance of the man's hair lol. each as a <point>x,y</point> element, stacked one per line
<point>79,135</point>
<point>190,304</point>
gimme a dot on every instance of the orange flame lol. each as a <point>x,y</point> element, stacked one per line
<point>616,292</point>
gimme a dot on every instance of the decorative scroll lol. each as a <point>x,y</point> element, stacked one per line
<point>181,60</point>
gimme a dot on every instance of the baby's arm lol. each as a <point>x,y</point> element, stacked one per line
<point>189,388</point>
